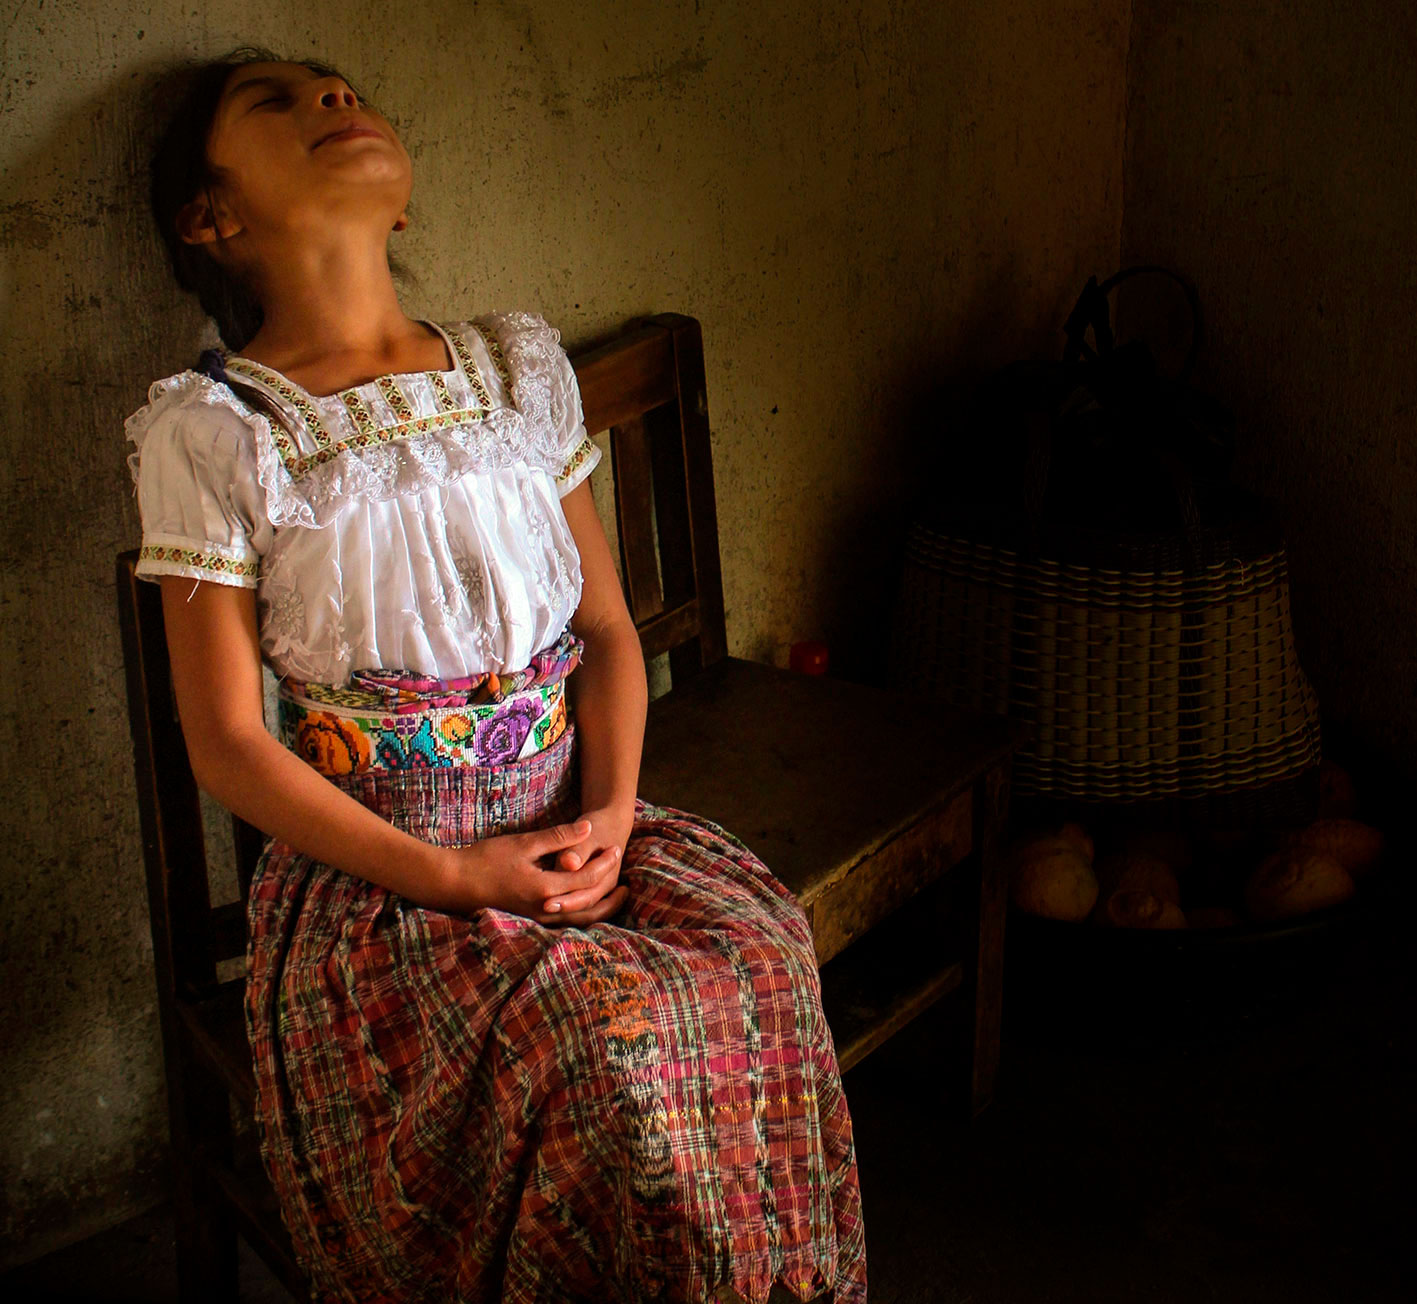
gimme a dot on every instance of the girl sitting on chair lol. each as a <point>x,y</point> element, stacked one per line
<point>518,1035</point>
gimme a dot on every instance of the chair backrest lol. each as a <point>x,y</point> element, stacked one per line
<point>646,388</point>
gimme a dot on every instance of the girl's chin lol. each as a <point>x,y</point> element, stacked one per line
<point>360,183</point>
<point>343,209</point>
<point>376,165</point>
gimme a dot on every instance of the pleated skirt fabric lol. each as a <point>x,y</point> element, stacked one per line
<point>468,1109</point>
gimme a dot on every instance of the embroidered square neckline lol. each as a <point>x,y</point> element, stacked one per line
<point>354,408</point>
<point>250,365</point>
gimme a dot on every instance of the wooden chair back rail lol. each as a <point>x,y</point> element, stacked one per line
<point>647,389</point>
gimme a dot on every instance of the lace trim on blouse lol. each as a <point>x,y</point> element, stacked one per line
<point>365,458</point>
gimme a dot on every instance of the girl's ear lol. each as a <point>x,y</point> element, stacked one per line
<point>198,221</point>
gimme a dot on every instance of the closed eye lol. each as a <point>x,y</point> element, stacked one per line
<point>271,99</point>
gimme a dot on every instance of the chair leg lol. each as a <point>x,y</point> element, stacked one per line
<point>206,1235</point>
<point>206,1254</point>
<point>986,958</point>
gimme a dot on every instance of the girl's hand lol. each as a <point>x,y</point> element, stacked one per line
<point>610,828</point>
<point>505,873</point>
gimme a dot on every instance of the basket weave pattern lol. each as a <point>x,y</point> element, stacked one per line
<point>1171,684</point>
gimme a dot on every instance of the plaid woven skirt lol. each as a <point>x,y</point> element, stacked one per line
<point>484,1108</point>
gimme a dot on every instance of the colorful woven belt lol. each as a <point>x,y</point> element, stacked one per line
<point>393,720</point>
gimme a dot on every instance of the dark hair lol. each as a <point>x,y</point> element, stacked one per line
<point>181,171</point>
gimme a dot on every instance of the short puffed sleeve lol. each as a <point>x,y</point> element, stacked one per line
<point>579,453</point>
<point>199,495</point>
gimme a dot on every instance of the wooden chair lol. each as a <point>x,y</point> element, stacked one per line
<point>891,850</point>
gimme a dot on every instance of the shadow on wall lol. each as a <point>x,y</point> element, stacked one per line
<point>858,583</point>
<point>91,316</point>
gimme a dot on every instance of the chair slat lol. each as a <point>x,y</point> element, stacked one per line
<point>217,1028</point>
<point>697,460</point>
<point>249,842</point>
<point>671,503</point>
<point>670,630</point>
<point>634,488</point>
<point>228,923</point>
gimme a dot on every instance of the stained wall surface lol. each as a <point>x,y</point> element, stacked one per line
<point>857,201</point>
<point>1270,156</point>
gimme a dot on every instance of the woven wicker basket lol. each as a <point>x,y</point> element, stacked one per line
<point>1165,685</point>
<point>1101,581</point>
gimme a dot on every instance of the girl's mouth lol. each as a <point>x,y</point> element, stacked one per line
<point>351,132</point>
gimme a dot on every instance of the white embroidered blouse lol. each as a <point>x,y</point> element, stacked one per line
<point>413,522</point>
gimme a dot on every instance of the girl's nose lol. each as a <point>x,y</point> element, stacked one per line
<point>339,97</point>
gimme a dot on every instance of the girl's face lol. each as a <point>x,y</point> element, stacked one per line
<point>295,150</point>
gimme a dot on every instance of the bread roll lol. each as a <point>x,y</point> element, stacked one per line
<point>1054,882</point>
<point>1134,908</point>
<point>1071,836</point>
<point>1357,847</point>
<point>1296,882</point>
<point>1074,834</point>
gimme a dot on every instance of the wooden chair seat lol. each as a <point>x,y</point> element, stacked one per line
<point>852,807</point>
<point>884,829</point>
<point>856,809</point>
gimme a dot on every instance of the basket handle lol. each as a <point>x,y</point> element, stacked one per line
<point>1093,311</point>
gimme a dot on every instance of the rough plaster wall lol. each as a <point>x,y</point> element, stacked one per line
<point>1270,155</point>
<point>857,201</point>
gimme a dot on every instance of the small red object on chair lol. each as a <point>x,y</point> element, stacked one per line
<point>808,658</point>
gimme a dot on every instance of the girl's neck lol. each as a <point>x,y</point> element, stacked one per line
<point>333,319</point>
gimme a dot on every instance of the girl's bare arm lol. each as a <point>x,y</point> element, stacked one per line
<point>216,670</point>
<point>608,689</point>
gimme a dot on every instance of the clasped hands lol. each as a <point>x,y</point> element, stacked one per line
<point>508,871</point>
